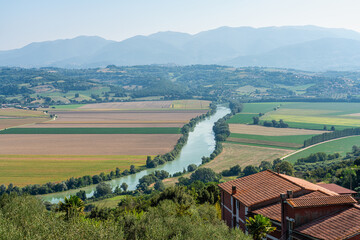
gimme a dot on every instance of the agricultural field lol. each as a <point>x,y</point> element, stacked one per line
<point>269,131</point>
<point>142,105</point>
<point>87,144</point>
<point>268,136</point>
<point>11,117</point>
<point>243,155</point>
<point>159,130</point>
<point>92,138</point>
<point>342,146</point>
<point>305,120</point>
<point>316,115</point>
<point>39,169</point>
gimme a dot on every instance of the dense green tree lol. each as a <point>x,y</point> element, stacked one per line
<point>248,170</point>
<point>285,167</point>
<point>205,175</point>
<point>159,186</point>
<point>191,167</point>
<point>124,186</point>
<point>265,165</point>
<point>102,189</point>
<point>81,194</point>
<point>255,120</point>
<point>132,169</point>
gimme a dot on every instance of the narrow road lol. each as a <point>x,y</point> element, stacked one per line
<point>314,146</point>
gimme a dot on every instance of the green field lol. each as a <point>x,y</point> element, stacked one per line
<point>109,202</point>
<point>341,146</point>
<point>22,170</point>
<point>315,126</point>
<point>251,110</point>
<point>242,118</point>
<point>287,139</point>
<point>263,145</point>
<point>316,115</point>
<point>165,130</point>
<point>69,106</point>
<point>260,107</point>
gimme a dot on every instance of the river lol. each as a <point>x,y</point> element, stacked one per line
<point>201,142</point>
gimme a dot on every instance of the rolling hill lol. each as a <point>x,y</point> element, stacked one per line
<point>301,47</point>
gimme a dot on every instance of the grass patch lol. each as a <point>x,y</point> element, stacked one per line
<point>109,202</point>
<point>244,155</point>
<point>315,126</point>
<point>341,146</point>
<point>260,107</point>
<point>299,139</point>
<point>265,143</point>
<point>165,130</point>
<point>69,106</point>
<point>22,170</point>
<point>242,118</point>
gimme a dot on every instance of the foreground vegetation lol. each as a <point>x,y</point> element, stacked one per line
<point>169,215</point>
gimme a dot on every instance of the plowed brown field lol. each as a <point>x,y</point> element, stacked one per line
<point>87,144</point>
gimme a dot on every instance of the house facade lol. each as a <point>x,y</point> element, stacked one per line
<point>297,208</point>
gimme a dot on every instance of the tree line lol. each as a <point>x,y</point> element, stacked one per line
<point>185,130</point>
<point>331,135</point>
<point>71,183</point>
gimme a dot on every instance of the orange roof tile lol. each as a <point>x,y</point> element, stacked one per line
<point>267,185</point>
<point>320,201</point>
<point>259,187</point>
<point>274,211</point>
<point>308,185</point>
<point>336,188</point>
<point>339,225</point>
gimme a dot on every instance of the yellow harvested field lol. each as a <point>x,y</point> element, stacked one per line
<point>129,105</point>
<point>270,131</point>
<point>6,123</point>
<point>190,104</point>
<point>87,144</point>
<point>22,170</point>
<point>126,117</point>
<point>13,112</point>
<point>234,154</point>
<point>150,105</point>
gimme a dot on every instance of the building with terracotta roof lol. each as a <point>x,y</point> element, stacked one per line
<point>338,189</point>
<point>297,208</point>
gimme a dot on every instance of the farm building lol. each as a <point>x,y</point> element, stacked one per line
<point>297,208</point>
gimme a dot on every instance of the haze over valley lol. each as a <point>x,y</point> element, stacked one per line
<point>300,47</point>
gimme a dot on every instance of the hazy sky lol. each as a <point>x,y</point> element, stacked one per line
<point>26,21</point>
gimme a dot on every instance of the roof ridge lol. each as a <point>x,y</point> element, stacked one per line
<point>321,189</point>
<point>278,174</point>
<point>331,196</point>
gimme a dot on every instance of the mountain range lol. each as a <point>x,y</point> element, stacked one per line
<point>300,47</point>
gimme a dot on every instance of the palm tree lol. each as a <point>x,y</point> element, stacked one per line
<point>259,226</point>
<point>72,207</point>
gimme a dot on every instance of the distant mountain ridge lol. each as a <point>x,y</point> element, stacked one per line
<point>301,47</point>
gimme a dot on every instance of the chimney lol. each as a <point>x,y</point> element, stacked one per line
<point>278,170</point>
<point>233,190</point>
<point>289,194</point>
